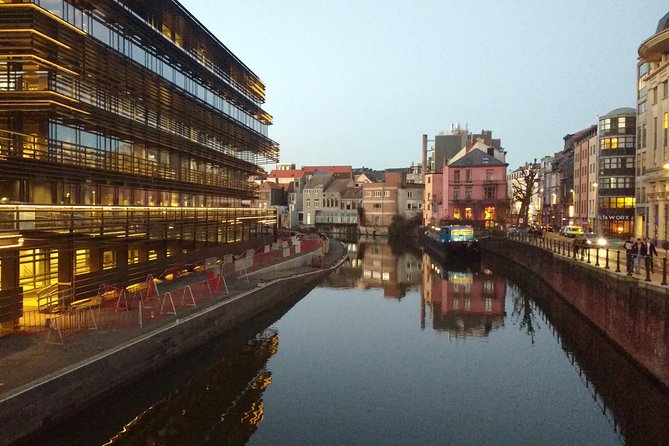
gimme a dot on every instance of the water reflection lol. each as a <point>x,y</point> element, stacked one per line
<point>464,298</point>
<point>467,299</point>
<point>374,264</point>
<point>340,352</point>
<point>222,406</point>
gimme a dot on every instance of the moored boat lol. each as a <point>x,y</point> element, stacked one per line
<point>452,239</point>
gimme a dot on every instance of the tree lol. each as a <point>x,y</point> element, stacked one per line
<point>524,188</point>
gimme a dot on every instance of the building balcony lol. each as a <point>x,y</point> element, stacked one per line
<point>124,222</point>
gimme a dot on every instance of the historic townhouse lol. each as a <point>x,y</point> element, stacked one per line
<point>475,188</point>
<point>128,133</point>
<point>585,176</point>
<point>652,121</point>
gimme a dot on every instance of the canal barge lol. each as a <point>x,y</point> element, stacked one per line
<point>451,241</point>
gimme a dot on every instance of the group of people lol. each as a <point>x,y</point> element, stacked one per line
<point>638,250</point>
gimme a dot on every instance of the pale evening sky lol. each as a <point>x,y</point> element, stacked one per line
<point>357,82</point>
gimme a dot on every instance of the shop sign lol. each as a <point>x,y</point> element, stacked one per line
<point>614,217</point>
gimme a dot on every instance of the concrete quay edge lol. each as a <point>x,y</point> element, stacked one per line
<point>58,395</point>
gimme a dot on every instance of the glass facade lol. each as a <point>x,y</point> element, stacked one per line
<point>128,134</point>
<point>616,177</point>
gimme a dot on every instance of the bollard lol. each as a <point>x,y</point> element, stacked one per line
<point>597,257</point>
<point>647,273</point>
<point>588,255</point>
<point>607,259</point>
<point>664,271</point>
<point>617,261</point>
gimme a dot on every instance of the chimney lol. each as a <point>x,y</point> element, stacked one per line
<point>424,154</point>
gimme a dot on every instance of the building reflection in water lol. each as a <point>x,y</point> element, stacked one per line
<point>376,264</point>
<point>222,406</point>
<point>463,298</point>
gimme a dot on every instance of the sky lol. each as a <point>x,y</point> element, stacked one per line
<point>358,82</point>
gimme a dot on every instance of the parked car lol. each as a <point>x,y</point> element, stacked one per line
<point>590,240</point>
<point>571,231</point>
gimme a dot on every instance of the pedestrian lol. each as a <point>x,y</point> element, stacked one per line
<point>650,253</point>
<point>629,251</point>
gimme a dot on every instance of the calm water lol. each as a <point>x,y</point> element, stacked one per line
<point>392,350</point>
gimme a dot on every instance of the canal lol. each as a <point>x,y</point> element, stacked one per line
<point>394,349</point>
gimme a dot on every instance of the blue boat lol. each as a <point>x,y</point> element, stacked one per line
<point>452,239</point>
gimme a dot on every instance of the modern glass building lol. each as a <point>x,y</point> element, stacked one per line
<point>615,179</point>
<point>128,133</point>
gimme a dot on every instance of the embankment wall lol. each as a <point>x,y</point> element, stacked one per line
<point>59,395</point>
<point>631,312</point>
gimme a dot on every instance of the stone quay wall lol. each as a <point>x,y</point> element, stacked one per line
<point>60,395</point>
<point>631,312</point>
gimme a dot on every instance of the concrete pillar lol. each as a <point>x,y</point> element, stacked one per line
<point>122,260</point>
<point>96,255</point>
<point>650,229</point>
<point>9,271</point>
<point>661,221</point>
<point>66,264</point>
<point>639,226</point>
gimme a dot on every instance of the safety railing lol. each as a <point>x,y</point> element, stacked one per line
<point>651,269</point>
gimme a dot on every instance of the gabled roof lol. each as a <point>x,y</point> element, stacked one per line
<point>273,185</point>
<point>476,157</point>
<point>292,173</point>
<point>327,169</point>
<point>338,185</point>
<point>318,181</point>
<point>351,193</point>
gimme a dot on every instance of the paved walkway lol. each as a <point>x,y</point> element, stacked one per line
<point>597,259</point>
<point>27,357</point>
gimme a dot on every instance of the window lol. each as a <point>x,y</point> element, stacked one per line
<point>409,194</point>
<point>308,202</point>
<point>386,193</point>
<point>456,176</point>
<point>456,214</point>
<point>469,175</point>
<point>666,126</point>
<point>605,125</point>
<point>377,194</point>
<point>377,206</point>
<point>643,107</point>
<point>489,175</point>
<point>468,213</point>
<point>490,193</point>
<point>456,194</point>
<point>621,124</point>
<point>665,89</point>
<point>468,193</point>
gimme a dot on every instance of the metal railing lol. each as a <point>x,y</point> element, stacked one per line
<point>614,260</point>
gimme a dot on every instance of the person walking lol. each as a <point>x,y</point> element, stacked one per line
<point>650,253</point>
<point>629,251</point>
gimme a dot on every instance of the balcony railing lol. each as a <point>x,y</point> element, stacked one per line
<point>125,222</point>
<point>82,157</point>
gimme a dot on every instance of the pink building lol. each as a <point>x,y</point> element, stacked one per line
<point>434,209</point>
<point>474,186</point>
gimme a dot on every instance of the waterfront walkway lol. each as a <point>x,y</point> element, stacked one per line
<point>610,260</point>
<point>29,357</point>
